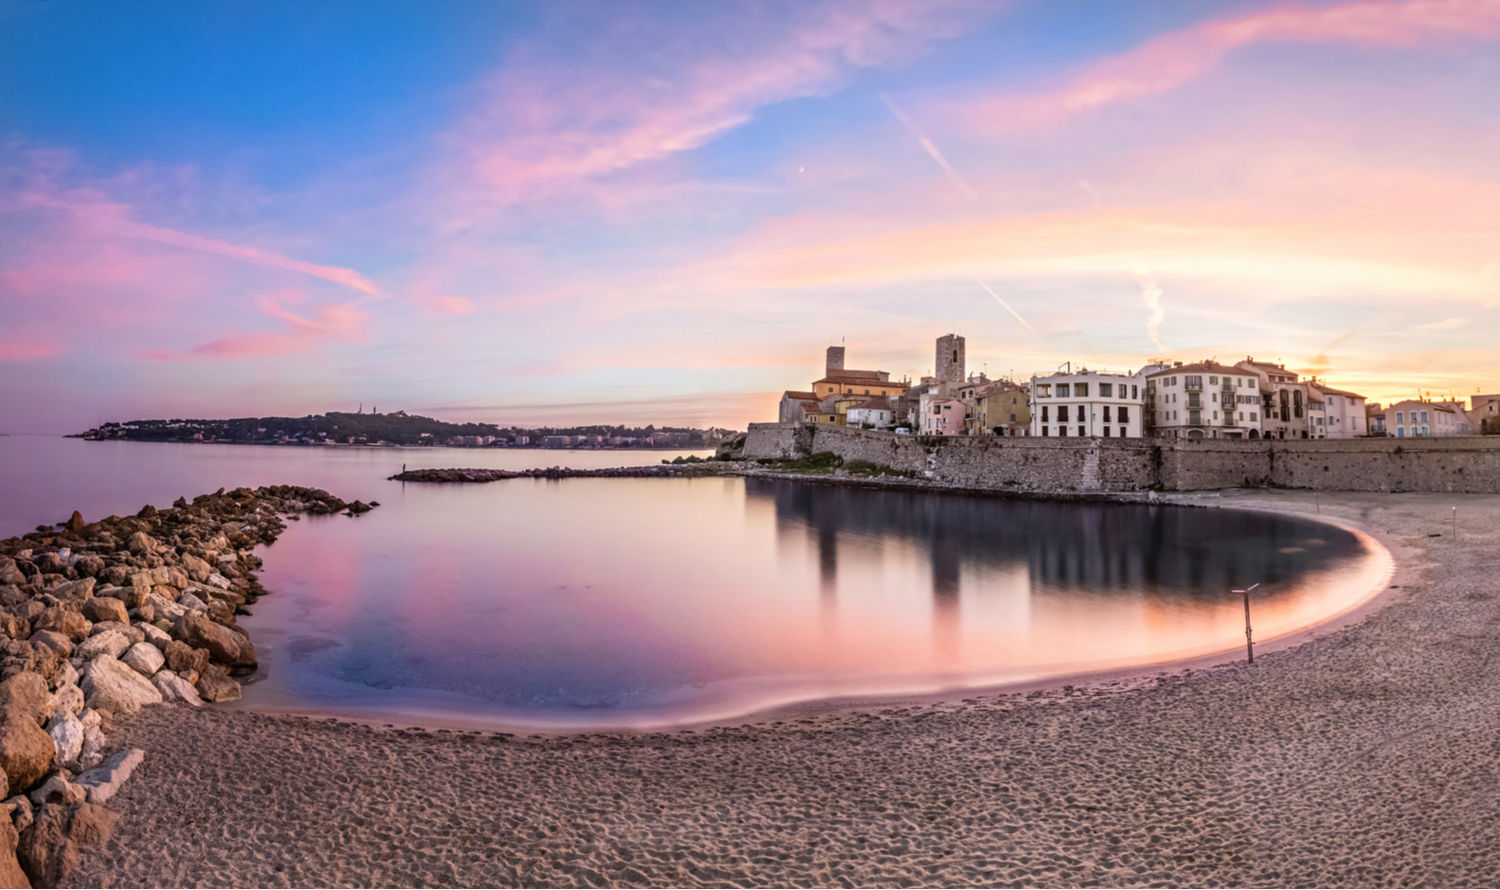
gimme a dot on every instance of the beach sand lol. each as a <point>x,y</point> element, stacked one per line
<point>1367,755</point>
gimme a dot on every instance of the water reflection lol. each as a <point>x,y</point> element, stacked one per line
<point>646,601</point>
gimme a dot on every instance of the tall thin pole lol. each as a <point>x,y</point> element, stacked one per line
<point>1249,643</point>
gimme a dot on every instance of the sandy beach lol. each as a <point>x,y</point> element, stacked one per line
<point>1366,754</point>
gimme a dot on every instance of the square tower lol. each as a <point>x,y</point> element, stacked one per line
<point>835,358</point>
<point>950,359</point>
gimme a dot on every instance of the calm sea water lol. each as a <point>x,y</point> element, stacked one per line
<point>626,602</point>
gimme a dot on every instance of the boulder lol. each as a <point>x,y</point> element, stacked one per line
<point>11,874</point>
<point>114,686</point>
<point>9,574</point>
<point>215,685</point>
<point>67,735</point>
<point>153,635</point>
<point>26,750</point>
<point>68,697</point>
<point>140,542</point>
<point>26,695</point>
<point>174,688</point>
<point>104,781</point>
<point>111,642</point>
<point>67,675</point>
<point>131,596</point>
<point>164,608</point>
<point>196,568</point>
<point>53,640</point>
<point>14,626</point>
<point>89,566</point>
<point>192,603</point>
<point>128,631</point>
<point>218,580</point>
<point>65,621</point>
<point>105,608</point>
<point>75,522</point>
<point>20,811</point>
<point>53,846</point>
<point>58,790</point>
<point>222,644</point>
<point>93,743</point>
<point>145,658</point>
<point>75,591</point>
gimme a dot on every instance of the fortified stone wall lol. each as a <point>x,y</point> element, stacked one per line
<point>1469,464</point>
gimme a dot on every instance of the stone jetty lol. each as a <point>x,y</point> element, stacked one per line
<point>470,474</point>
<point>100,619</point>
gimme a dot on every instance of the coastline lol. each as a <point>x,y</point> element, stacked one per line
<point>1357,752</point>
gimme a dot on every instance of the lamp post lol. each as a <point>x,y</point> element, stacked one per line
<point>1249,645</point>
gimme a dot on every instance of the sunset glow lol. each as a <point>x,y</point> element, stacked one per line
<point>663,213</point>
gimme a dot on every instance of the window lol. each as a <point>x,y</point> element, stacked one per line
<point>1044,431</point>
<point>1194,381</point>
<point>1424,416</point>
<point>1213,381</point>
<point>1062,390</point>
<point>1135,392</point>
<point>1106,414</point>
<point>1062,413</point>
<point>1013,417</point>
<point>1062,431</point>
<point>1081,432</point>
<point>1044,414</point>
<point>1424,429</point>
<point>1106,432</point>
<point>1401,432</point>
<point>1123,416</point>
<point>1106,390</point>
<point>1253,416</point>
<point>1401,417</point>
<point>1081,390</point>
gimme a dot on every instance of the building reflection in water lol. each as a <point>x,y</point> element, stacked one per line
<point>1005,559</point>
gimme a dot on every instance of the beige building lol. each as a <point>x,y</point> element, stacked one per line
<point>1204,400</point>
<point>1416,419</point>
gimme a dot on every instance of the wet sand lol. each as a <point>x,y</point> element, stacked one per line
<point>1361,755</point>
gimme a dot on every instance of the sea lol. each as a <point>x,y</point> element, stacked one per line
<point>646,603</point>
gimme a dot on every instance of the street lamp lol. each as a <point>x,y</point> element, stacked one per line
<point>1249,645</point>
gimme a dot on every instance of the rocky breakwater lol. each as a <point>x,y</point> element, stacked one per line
<point>469,474</point>
<point>100,619</point>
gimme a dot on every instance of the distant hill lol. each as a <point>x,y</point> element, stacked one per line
<point>396,428</point>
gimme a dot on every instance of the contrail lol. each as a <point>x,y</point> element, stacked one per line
<point>1151,293</point>
<point>931,149</point>
<point>1007,307</point>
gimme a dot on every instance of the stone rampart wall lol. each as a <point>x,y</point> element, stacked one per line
<point>1470,464</point>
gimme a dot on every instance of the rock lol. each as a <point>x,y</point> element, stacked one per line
<point>65,621</point>
<point>53,846</point>
<point>11,874</point>
<point>68,697</point>
<point>90,718</point>
<point>103,782</point>
<point>131,596</point>
<point>53,640</point>
<point>192,603</point>
<point>105,608</point>
<point>165,608</point>
<point>26,750</point>
<point>26,695</point>
<point>67,675</point>
<point>14,626</point>
<point>174,688</point>
<point>89,566</point>
<point>93,743</point>
<point>75,591</point>
<point>9,574</point>
<point>140,542</point>
<point>67,735</point>
<point>219,581</point>
<point>145,658</point>
<point>223,645</point>
<point>76,523</point>
<point>196,568</point>
<point>111,642</point>
<point>153,635</point>
<point>129,632</point>
<point>216,686</point>
<point>20,811</point>
<point>59,790</point>
<point>181,657</point>
<point>111,685</point>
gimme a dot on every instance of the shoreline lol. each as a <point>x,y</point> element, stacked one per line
<point>1316,766</point>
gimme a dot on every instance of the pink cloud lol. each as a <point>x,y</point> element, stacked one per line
<point>340,322</point>
<point>12,350</point>
<point>1175,58</point>
<point>542,128</point>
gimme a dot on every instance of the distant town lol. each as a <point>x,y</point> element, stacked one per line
<point>1249,399</point>
<point>399,429</point>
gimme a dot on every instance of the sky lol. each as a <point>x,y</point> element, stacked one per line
<point>634,212</point>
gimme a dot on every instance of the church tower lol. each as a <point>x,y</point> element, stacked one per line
<point>950,359</point>
<point>835,358</point>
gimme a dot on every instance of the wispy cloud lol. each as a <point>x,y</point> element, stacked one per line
<point>927,144</point>
<point>1151,293</point>
<point>340,322</point>
<point>1447,324</point>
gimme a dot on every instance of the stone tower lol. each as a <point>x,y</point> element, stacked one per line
<point>835,358</point>
<point>950,359</point>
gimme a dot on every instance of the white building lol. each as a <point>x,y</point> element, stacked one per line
<point>1087,403</point>
<point>1343,413</point>
<point>875,411</point>
<point>1413,419</point>
<point>1205,400</point>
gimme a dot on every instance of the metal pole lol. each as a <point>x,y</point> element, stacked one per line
<point>1249,643</point>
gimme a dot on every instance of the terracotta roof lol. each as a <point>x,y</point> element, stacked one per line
<point>877,403</point>
<point>858,378</point>
<point>1330,391</point>
<point>1200,367</point>
<point>795,395</point>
